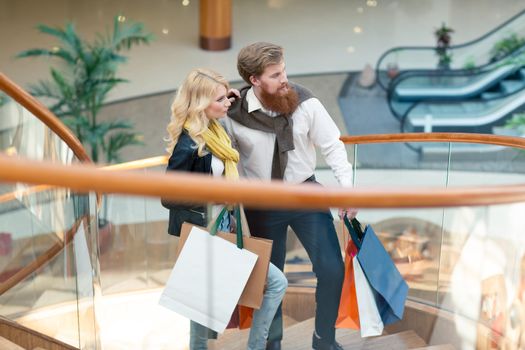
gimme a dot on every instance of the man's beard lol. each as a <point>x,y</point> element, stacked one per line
<point>282,104</point>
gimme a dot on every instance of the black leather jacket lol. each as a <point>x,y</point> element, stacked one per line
<point>185,158</point>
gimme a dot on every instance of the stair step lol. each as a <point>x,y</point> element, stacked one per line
<point>397,341</point>
<point>8,345</point>
<point>299,337</point>
<point>437,347</point>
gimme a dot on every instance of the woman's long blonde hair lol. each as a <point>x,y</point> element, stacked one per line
<point>194,95</point>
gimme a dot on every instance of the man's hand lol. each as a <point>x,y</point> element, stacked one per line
<point>350,212</point>
<point>233,94</point>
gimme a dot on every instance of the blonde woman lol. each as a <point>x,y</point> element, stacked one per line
<point>198,143</point>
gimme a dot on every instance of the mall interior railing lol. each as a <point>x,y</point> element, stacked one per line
<point>449,215</point>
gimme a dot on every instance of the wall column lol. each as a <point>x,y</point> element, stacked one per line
<point>215,24</point>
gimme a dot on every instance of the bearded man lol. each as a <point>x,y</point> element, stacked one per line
<point>276,126</point>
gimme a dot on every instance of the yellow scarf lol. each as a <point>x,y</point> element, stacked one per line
<point>220,145</point>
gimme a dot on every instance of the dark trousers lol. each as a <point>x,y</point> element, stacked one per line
<point>315,230</point>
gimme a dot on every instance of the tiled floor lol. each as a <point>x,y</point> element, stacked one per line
<point>319,36</point>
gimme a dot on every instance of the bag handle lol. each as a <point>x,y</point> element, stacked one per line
<point>217,222</point>
<point>355,230</point>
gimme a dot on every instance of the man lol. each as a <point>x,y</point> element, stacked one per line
<point>276,126</point>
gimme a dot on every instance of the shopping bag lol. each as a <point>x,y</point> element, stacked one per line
<point>242,317</point>
<point>253,292</point>
<point>348,314</point>
<point>390,289</point>
<point>369,318</point>
<point>208,278</point>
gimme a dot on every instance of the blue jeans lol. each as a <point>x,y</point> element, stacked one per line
<point>315,230</point>
<point>276,284</point>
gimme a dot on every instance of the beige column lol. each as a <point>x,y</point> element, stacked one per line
<point>215,24</point>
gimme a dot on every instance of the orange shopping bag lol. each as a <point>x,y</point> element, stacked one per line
<point>245,317</point>
<point>242,317</point>
<point>348,314</point>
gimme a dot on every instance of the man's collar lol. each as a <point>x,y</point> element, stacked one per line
<point>252,100</point>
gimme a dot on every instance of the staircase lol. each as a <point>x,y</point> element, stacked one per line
<point>14,336</point>
<point>299,337</point>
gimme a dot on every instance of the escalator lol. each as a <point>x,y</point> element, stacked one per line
<point>482,114</point>
<point>475,93</point>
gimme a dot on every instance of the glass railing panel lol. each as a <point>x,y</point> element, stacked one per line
<point>45,235</point>
<point>481,276</point>
<point>135,264</point>
<point>23,134</point>
<point>411,236</point>
<point>136,252</point>
<point>122,235</point>
<point>38,229</point>
<point>482,164</point>
<point>397,165</point>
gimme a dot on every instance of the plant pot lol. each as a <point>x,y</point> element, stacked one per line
<point>392,70</point>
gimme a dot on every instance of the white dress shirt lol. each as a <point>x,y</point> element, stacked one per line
<point>312,127</point>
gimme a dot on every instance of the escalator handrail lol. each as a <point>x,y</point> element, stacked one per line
<point>451,48</point>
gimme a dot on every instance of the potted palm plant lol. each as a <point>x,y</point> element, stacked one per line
<point>79,87</point>
<point>86,74</point>
<point>443,40</point>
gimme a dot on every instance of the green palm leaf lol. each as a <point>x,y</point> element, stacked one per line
<point>88,73</point>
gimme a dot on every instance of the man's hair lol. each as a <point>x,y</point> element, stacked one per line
<point>253,59</point>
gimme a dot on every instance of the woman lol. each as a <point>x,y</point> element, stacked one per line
<point>198,143</point>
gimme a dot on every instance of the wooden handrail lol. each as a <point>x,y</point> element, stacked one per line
<point>488,139</point>
<point>508,141</point>
<point>45,115</point>
<point>198,188</point>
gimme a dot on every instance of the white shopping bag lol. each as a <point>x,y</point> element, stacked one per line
<point>208,279</point>
<point>369,318</point>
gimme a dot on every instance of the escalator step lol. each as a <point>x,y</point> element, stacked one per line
<point>522,73</point>
<point>490,95</point>
<point>510,86</point>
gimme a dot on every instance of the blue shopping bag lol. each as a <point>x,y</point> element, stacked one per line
<point>389,287</point>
